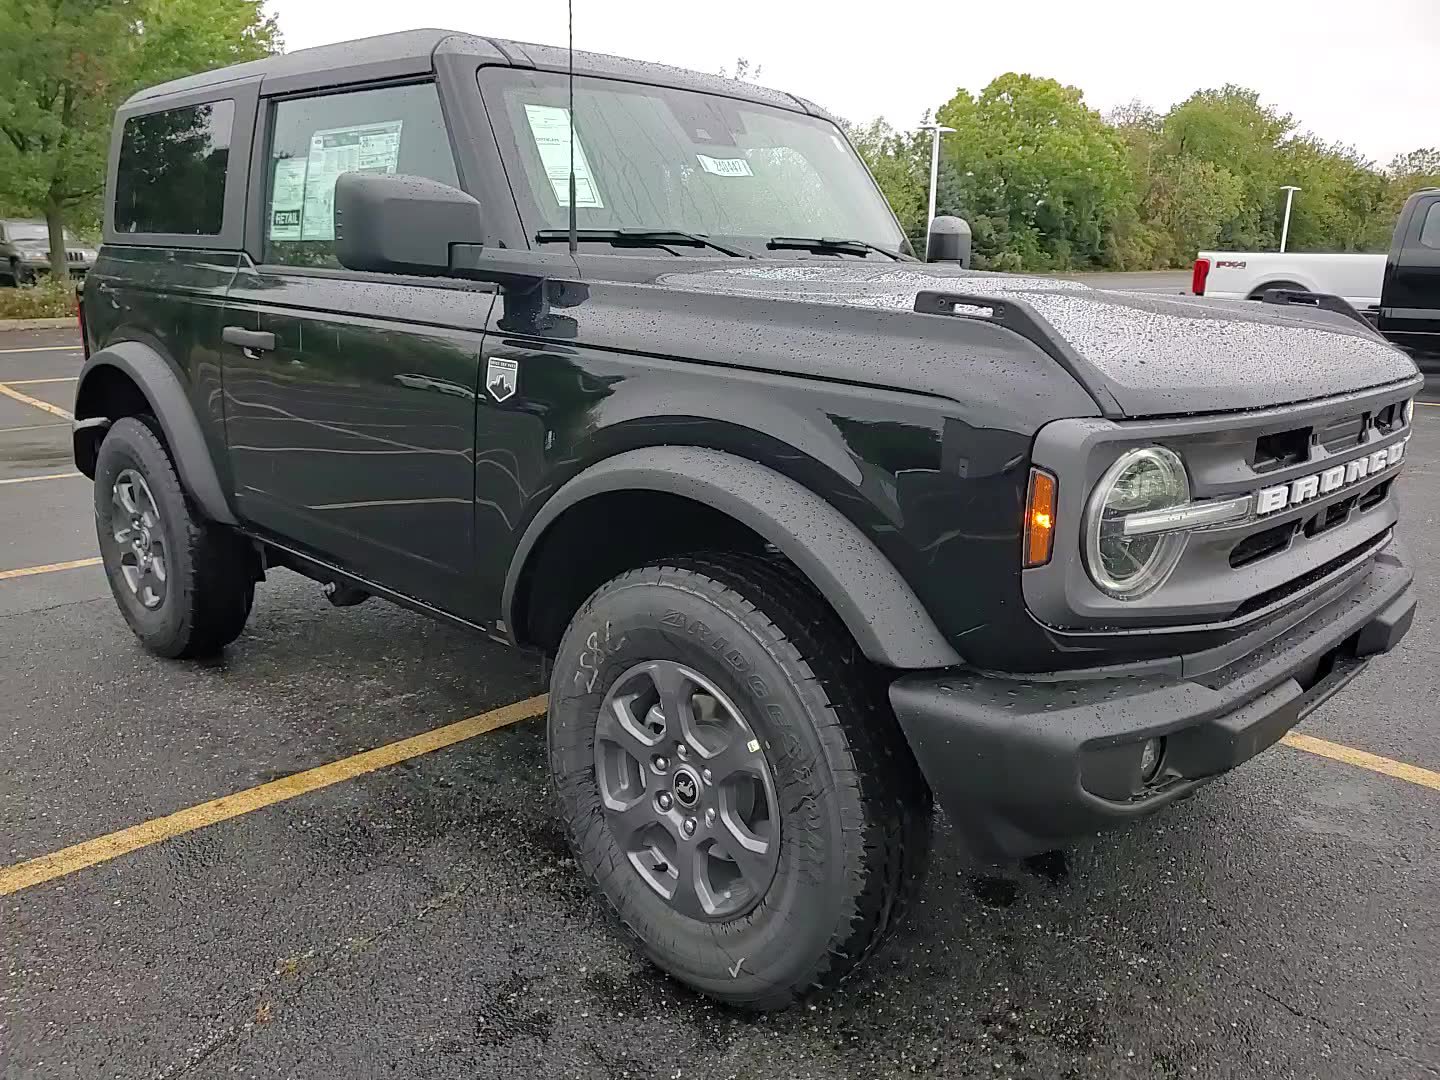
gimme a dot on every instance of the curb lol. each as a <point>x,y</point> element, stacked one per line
<point>37,324</point>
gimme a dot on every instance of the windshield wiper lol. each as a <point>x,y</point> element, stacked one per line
<point>831,243</point>
<point>642,238</point>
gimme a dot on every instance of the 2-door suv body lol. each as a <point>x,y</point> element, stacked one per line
<point>812,529</point>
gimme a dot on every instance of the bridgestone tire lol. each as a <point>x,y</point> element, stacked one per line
<point>210,569</point>
<point>854,811</point>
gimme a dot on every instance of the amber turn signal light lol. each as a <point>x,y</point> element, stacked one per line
<point>1039,518</point>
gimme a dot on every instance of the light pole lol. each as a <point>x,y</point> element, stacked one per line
<point>936,130</point>
<point>1289,190</point>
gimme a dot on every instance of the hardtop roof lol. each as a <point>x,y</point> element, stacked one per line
<point>412,52</point>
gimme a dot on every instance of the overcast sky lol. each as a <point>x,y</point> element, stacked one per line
<point>1364,72</point>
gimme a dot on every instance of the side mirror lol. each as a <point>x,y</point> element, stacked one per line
<point>390,224</point>
<point>948,241</point>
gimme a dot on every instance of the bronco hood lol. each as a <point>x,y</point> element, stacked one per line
<point>1138,354</point>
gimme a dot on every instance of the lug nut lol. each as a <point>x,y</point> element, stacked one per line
<point>710,816</point>
<point>689,826</point>
<point>706,776</point>
<point>663,800</point>
<point>682,751</point>
<point>660,763</point>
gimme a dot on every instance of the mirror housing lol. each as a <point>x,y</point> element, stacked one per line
<point>390,224</point>
<point>948,241</point>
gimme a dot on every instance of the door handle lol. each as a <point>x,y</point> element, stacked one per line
<point>251,341</point>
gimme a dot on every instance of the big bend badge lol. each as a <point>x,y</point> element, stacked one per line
<point>501,375</point>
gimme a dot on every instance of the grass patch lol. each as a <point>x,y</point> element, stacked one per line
<point>50,299</point>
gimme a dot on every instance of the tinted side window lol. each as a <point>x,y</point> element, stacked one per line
<point>172,171</point>
<point>1430,231</point>
<point>396,129</point>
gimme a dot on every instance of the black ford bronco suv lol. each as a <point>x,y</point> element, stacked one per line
<point>814,531</point>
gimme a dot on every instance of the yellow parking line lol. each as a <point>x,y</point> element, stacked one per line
<point>113,845</point>
<point>26,399</point>
<point>33,479</point>
<point>1374,762</point>
<point>35,382</point>
<point>43,348</point>
<point>48,568</point>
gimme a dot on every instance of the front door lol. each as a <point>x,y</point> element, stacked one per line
<point>1410,308</point>
<point>350,398</point>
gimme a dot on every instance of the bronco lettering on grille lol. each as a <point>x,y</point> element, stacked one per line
<point>1272,499</point>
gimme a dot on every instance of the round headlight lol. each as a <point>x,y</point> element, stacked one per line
<point>1128,567</point>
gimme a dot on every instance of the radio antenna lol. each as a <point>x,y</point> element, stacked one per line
<point>570,13</point>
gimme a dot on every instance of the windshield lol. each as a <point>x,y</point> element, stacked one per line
<point>24,230</point>
<point>649,157</point>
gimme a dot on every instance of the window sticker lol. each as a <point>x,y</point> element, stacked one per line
<point>287,199</point>
<point>303,199</point>
<point>725,166</point>
<point>550,127</point>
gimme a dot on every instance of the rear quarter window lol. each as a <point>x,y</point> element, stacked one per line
<point>172,172</point>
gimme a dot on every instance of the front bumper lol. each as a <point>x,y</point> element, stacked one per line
<point>1020,765</point>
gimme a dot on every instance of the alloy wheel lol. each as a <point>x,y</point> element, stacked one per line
<point>136,528</point>
<point>686,790</point>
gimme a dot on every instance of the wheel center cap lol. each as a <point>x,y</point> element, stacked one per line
<point>686,786</point>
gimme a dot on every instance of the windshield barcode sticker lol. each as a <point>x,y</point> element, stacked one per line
<point>737,166</point>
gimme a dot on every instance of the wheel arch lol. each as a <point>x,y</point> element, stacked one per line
<point>1289,282</point>
<point>859,582</point>
<point>127,378</point>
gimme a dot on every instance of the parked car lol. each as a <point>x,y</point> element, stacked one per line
<point>25,252</point>
<point>1398,292</point>
<point>813,532</point>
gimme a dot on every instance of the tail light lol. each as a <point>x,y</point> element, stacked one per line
<point>1039,518</point>
<point>1198,276</point>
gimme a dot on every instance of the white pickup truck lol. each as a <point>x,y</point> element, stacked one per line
<point>1398,293</point>
<point>1245,275</point>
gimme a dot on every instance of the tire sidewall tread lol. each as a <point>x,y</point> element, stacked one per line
<point>843,818</point>
<point>209,592</point>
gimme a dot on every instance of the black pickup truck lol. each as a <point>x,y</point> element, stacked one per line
<point>814,531</point>
<point>1409,312</point>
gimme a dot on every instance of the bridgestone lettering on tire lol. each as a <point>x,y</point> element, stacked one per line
<point>200,603</point>
<point>854,813</point>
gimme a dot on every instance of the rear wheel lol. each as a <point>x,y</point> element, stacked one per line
<point>185,585</point>
<point>732,779</point>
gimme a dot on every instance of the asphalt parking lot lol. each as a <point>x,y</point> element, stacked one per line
<point>422,919</point>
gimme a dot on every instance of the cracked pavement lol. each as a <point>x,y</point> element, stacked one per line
<point>425,920</point>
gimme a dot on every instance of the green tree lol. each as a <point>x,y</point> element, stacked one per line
<point>1231,130</point>
<point>1038,173</point>
<point>901,166</point>
<point>1407,174</point>
<point>66,64</point>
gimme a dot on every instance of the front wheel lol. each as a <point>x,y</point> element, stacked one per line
<point>732,779</point>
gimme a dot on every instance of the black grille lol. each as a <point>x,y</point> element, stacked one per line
<point>1375,496</point>
<point>1342,434</point>
<point>1271,596</point>
<point>1262,544</point>
<point>1281,449</point>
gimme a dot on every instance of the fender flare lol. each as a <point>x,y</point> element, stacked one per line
<point>876,604</point>
<point>170,405</point>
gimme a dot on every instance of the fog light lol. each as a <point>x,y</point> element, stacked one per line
<point>1151,751</point>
